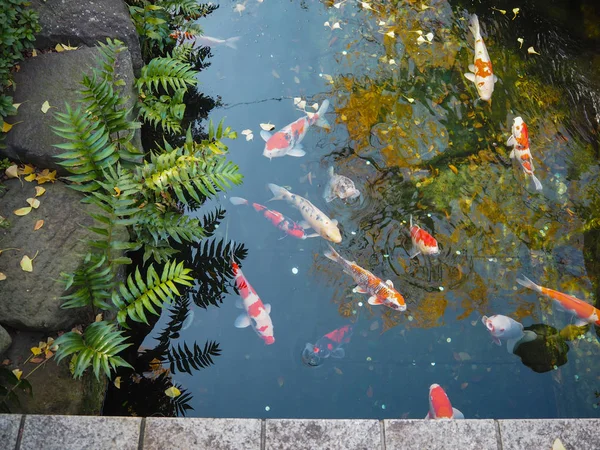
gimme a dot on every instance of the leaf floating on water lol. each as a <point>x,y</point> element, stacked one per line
<point>392,62</point>
<point>172,392</point>
<point>247,132</point>
<point>280,381</point>
<point>410,100</point>
<point>531,50</point>
<point>239,7</point>
<point>117,382</point>
<point>297,100</point>
<point>27,264</point>
<point>501,11</point>
<point>275,74</point>
<point>39,191</point>
<point>12,171</point>
<point>424,7</point>
<point>370,392</point>
<point>23,211</point>
<point>366,5</point>
<point>267,126</point>
<point>429,36</point>
<point>338,4</point>
<point>453,169</point>
<point>296,80</point>
<point>374,326</point>
<point>338,371</point>
<point>515,12</point>
<point>249,137</point>
<point>558,445</point>
<point>45,107</point>
<point>520,41</point>
<point>464,386</point>
<point>391,34</point>
<point>34,203</point>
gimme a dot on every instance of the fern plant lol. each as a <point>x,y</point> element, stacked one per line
<point>97,347</point>
<point>93,282</point>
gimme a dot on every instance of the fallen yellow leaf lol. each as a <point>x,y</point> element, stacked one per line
<point>39,191</point>
<point>30,177</point>
<point>12,171</point>
<point>68,47</point>
<point>27,263</point>
<point>172,392</point>
<point>515,12</point>
<point>33,202</point>
<point>27,169</point>
<point>23,211</point>
<point>39,224</point>
<point>33,53</point>
<point>36,351</point>
<point>117,382</point>
<point>7,126</point>
<point>531,50</point>
<point>117,192</point>
<point>98,318</point>
<point>46,176</point>
<point>520,41</point>
<point>48,353</point>
<point>45,107</point>
<point>2,276</point>
<point>59,48</point>
<point>18,373</point>
<point>453,169</point>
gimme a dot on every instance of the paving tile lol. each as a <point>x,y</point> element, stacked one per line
<point>440,434</point>
<point>9,430</point>
<point>322,434</point>
<point>80,432</point>
<point>580,434</point>
<point>202,434</point>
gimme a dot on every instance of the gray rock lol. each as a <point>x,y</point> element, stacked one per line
<point>32,300</point>
<point>580,434</point>
<point>5,341</point>
<point>77,22</point>
<point>441,434</point>
<point>202,434</point>
<point>310,434</point>
<point>80,432</point>
<point>52,77</point>
<point>9,429</point>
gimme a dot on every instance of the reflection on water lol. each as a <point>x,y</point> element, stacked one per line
<point>407,129</point>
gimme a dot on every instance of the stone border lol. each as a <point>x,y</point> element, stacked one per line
<point>76,432</point>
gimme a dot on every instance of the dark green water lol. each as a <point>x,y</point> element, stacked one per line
<point>407,129</point>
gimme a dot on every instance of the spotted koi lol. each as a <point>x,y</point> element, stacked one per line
<point>519,140</point>
<point>440,406</point>
<point>422,241</point>
<point>481,72</point>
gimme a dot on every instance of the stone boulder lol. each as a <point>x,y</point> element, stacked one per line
<point>31,300</point>
<point>86,22</point>
<point>5,340</point>
<point>53,77</point>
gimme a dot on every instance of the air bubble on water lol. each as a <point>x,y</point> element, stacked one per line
<point>515,288</point>
<point>458,252</point>
<point>382,406</point>
<point>433,363</point>
<point>353,233</point>
<point>428,214</point>
<point>344,52</point>
<point>449,340</point>
<point>594,406</point>
<point>491,259</point>
<point>321,75</point>
<point>576,377</point>
<point>555,367</point>
<point>414,363</point>
<point>369,358</point>
<point>386,256</point>
<point>360,303</point>
<point>294,270</point>
<point>441,288</point>
<point>353,311</point>
<point>368,163</point>
<point>410,318</point>
<point>267,408</point>
<point>216,226</point>
<point>371,368</point>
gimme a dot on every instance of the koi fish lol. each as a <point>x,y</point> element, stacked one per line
<point>584,312</point>
<point>422,241</point>
<point>481,72</point>
<point>282,222</point>
<point>503,327</point>
<point>208,41</point>
<point>519,140</point>
<point>313,217</point>
<point>287,140</point>
<point>440,406</point>
<point>380,293</point>
<point>329,345</point>
<point>256,313</point>
<point>339,186</point>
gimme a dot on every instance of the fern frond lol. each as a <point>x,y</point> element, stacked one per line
<point>168,73</point>
<point>183,359</point>
<point>89,149</point>
<point>98,347</point>
<point>185,7</point>
<point>160,253</point>
<point>108,57</point>
<point>93,282</point>
<point>164,225</point>
<point>166,111</point>
<point>137,295</point>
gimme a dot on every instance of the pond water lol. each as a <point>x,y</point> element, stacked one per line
<point>407,129</point>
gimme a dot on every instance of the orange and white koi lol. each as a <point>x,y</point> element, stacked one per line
<point>282,222</point>
<point>380,293</point>
<point>422,241</point>
<point>287,140</point>
<point>440,406</point>
<point>313,217</point>
<point>481,72</point>
<point>584,312</point>
<point>519,140</point>
<point>256,313</point>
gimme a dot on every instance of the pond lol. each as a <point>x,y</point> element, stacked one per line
<point>407,127</point>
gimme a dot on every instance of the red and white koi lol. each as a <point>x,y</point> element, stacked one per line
<point>504,327</point>
<point>282,222</point>
<point>519,140</point>
<point>440,406</point>
<point>339,186</point>
<point>313,217</point>
<point>329,345</point>
<point>287,140</point>
<point>256,313</point>
<point>380,293</point>
<point>584,312</point>
<point>422,241</point>
<point>481,72</point>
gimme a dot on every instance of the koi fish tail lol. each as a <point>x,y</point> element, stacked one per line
<point>411,220</point>
<point>474,26</point>
<point>538,184</point>
<point>231,42</point>
<point>526,282</point>
<point>333,255</point>
<point>321,121</point>
<point>279,193</point>
<point>238,201</point>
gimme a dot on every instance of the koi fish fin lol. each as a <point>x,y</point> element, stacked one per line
<point>375,301</point>
<point>265,135</point>
<point>282,237</point>
<point>231,42</point>
<point>474,25</point>
<point>330,172</point>
<point>304,224</point>
<point>512,154</point>
<point>389,283</point>
<point>338,353</point>
<point>581,323</point>
<point>511,344</point>
<point>472,68</point>
<point>239,303</point>
<point>428,416</point>
<point>511,142</point>
<point>332,254</point>
<point>334,221</point>
<point>312,235</point>
<point>470,76</point>
<point>268,308</point>
<point>296,151</point>
<point>410,221</point>
<point>238,200</point>
<point>414,252</point>
<point>242,321</point>
<point>537,183</point>
<point>526,282</point>
<point>321,121</point>
<point>279,193</point>
<point>360,290</point>
<point>496,341</point>
<point>495,79</point>
<point>456,414</point>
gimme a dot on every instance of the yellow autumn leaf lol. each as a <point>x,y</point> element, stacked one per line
<point>172,392</point>
<point>39,224</point>
<point>267,126</point>
<point>453,168</point>
<point>6,127</point>
<point>520,41</point>
<point>27,169</point>
<point>515,12</point>
<point>117,382</point>
<point>531,50</point>
<point>501,11</point>
<point>42,345</point>
<point>46,176</point>
<point>30,177</point>
<point>558,445</point>
<point>33,202</point>
<point>23,211</point>
<point>27,263</point>
<point>12,171</point>
<point>33,53</point>
<point>17,373</point>
<point>2,276</point>
<point>36,351</point>
<point>59,48</point>
<point>48,353</point>
<point>39,191</point>
<point>68,47</point>
<point>98,318</point>
<point>45,107</point>
<point>117,192</point>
